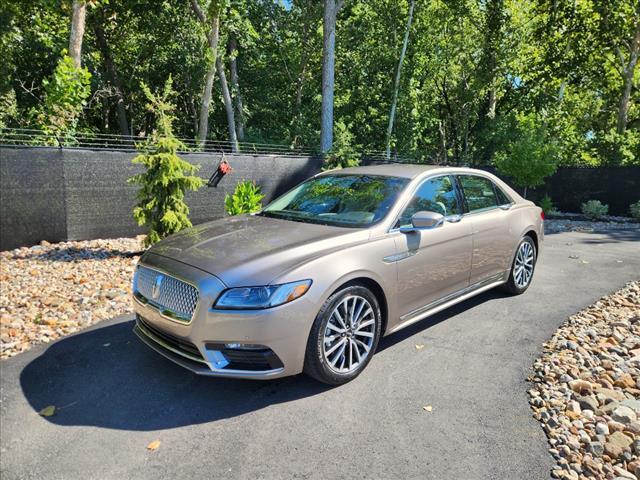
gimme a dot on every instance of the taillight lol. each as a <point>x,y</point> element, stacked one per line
<point>542,214</point>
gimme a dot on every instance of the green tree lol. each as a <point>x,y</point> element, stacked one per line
<point>529,154</point>
<point>161,206</point>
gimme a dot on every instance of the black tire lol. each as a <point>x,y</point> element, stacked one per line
<point>512,286</point>
<point>315,364</point>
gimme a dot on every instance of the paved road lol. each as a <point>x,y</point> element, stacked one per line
<point>116,396</point>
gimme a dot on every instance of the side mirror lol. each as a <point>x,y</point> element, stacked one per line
<point>424,221</point>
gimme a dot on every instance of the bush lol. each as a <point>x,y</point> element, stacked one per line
<point>634,210</point>
<point>594,209</point>
<point>547,205</point>
<point>247,198</point>
<point>161,206</point>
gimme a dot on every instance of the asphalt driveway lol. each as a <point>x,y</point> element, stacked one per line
<point>115,396</point>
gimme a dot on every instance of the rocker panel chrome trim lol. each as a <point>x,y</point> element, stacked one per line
<point>449,300</point>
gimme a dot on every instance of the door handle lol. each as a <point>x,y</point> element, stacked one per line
<point>453,218</point>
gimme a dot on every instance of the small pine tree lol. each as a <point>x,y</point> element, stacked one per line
<point>343,154</point>
<point>161,206</point>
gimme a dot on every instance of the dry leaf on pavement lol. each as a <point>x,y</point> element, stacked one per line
<point>154,445</point>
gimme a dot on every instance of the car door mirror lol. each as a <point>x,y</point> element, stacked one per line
<point>424,221</point>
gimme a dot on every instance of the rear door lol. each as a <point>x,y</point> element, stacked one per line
<point>488,215</point>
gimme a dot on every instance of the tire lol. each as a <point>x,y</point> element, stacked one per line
<point>519,283</point>
<point>323,360</point>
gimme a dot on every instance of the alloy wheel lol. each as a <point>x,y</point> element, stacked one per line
<point>523,266</point>
<point>349,334</point>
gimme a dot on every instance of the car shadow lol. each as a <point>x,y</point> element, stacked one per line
<point>106,377</point>
<point>426,323</point>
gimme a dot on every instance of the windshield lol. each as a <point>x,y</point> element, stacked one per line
<point>342,200</point>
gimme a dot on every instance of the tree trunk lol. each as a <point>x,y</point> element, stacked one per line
<point>203,122</point>
<point>494,21</point>
<point>328,74</point>
<point>110,68</point>
<point>396,86</point>
<point>563,87</point>
<point>77,31</point>
<point>228,105</point>
<point>443,141</point>
<point>627,79</point>
<point>212,38</point>
<point>493,100</point>
<point>235,86</point>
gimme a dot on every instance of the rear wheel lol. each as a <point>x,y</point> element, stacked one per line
<point>344,336</point>
<point>522,268</point>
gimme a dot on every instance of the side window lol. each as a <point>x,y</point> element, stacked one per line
<point>435,195</point>
<point>503,199</point>
<point>479,192</point>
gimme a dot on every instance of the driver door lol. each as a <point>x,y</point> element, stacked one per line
<point>436,262</point>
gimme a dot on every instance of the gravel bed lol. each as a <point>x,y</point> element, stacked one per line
<point>553,225</point>
<point>51,290</point>
<point>586,390</point>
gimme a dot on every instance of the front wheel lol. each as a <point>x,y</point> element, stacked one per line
<point>522,268</point>
<point>344,336</point>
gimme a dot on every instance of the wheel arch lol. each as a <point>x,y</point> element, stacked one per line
<point>534,236</point>
<point>376,289</point>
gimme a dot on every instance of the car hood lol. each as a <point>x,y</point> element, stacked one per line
<point>254,250</point>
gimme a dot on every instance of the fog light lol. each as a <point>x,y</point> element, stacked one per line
<point>244,346</point>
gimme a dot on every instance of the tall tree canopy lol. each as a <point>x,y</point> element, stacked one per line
<point>437,80</point>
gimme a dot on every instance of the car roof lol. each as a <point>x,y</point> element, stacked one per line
<point>404,170</point>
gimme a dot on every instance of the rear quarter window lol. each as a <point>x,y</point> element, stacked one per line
<point>503,198</point>
<point>479,193</point>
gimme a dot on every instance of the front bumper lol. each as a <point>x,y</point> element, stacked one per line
<point>277,337</point>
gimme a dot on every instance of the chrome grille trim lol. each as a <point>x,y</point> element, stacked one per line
<point>174,298</point>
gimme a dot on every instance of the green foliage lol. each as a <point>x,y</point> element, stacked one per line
<point>66,94</point>
<point>634,210</point>
<point>161,206</point>
<point>547,205</point>
<point>246,198</point>
<point>343,154</point>
<point>469,64</point>
<point>528,154</point>
<point>8,108</point>
<point>594,209</point>
<point>613,148</point>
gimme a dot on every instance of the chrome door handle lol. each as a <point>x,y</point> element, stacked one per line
<point>453,218</point>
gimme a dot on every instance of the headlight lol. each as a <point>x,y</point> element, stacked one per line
<point>252,298</point>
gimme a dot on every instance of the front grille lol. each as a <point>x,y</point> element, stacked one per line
<point>183,347</point>
<point>174,298</point>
